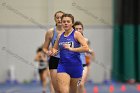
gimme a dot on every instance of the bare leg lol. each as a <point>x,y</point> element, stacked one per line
<point>63,80</point>
<point>73,85</point>
<point>43,76</point>
<point>50,82</point>
<point>88,69</point>
<point>53,74</point>
<point>81,87</point>
<point>51,87</point>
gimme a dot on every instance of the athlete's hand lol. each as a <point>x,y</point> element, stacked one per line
<point>53,52</point>
<point>67,46</point>
<point>48,52</point>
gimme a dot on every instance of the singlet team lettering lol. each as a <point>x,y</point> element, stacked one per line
<point>71,43</point>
